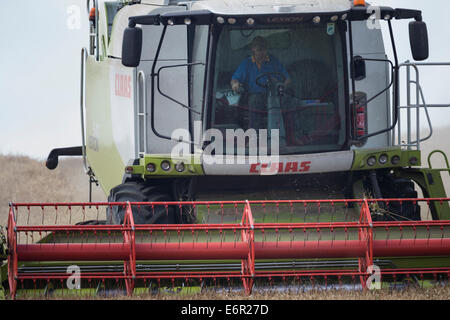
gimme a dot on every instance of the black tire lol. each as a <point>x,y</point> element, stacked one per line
<point>399,188</point>
<point>134,191</point>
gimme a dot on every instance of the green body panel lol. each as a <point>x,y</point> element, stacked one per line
<point>102,153</point>
<point>361,156</point>
<point>430,181</point>
<point>192,164</point>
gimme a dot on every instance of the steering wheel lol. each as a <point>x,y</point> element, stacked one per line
<point>269,75</point>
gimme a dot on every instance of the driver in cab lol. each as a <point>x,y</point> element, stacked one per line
<point>253,74</point>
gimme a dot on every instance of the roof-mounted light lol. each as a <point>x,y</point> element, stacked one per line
<point>231,20</point>
<point>358,3</point>
<point>220,20</point>
<point>316,19</point>
<point>92,15</point>
<point>250,21</point>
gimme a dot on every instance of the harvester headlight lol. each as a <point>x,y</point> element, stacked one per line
<point>231,20</point>
<point>151,167</point>
<point>387,17</point>
<point>250,21</point>
<point>165,165</point>
<point>395,160</point>
<point>170,22</point>
<point>413,161</point>
<point>187,21</point>
<point>371,161</point>
<point>129,169</point>
<point>316,19</point>
<point>220,20</point>
<point>334,18</point>
<point>344,16</point>
<point>383,159</point>
<point>180,166</point>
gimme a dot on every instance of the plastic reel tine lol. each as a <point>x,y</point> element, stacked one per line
<point>43,215</point>
<point>83,209</point>
<point>346,211</point>
<point>56,215</point>
<point>291,211</point>
<point>333,236</point>
<point>264,211</point>
<point>332,211</point>
<point>208,214</point>
<point>167,210</point>
<point>277,210</point>
<point>318,211</point>
<point>29,212</point>
<point>292,236</point>
<point>305,206</point>
<point>181,211</point>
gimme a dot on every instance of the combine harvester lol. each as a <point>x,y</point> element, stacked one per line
<point>334,204</point>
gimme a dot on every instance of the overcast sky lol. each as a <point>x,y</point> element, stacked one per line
<point>40,69</point>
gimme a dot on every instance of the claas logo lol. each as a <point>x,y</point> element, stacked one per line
<point>280,167</point>
<point>123,85</point>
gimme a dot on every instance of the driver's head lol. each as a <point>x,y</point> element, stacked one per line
<point>259,49</point>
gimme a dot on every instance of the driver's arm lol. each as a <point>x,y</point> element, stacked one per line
<point>239,76</point>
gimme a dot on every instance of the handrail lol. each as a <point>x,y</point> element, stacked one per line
<point>420,103</point>
<point>83,105</point>
<point>142,112</point>
<point>443,154</point>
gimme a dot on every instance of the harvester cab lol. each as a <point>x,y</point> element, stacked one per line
<point>264,134</point>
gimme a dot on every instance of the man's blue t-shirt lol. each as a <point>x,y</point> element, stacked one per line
<point>248,71</point>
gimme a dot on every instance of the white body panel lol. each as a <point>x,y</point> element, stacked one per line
<point>122,86</point>
<point>270,6</point>
<point>308,163</point>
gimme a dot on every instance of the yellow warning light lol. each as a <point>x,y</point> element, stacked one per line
<point>358,3</point>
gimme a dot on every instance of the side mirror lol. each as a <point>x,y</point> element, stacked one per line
<point>132,47</point>
<point>359,66</point>
<point>418,39</point>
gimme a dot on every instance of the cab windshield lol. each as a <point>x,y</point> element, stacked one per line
<point>289,78</point>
